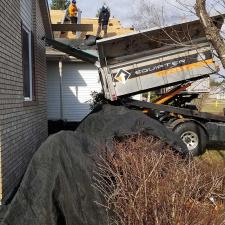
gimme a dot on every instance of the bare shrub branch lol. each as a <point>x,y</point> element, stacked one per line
<point>144,183</point>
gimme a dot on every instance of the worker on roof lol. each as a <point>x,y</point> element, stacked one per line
<point>73,11</point>
<point>103,20</point>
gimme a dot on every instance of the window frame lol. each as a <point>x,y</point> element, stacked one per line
<point>30,55</point>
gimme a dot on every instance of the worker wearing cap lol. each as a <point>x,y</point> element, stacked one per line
<point>72,11</point>
<point>103,20</point>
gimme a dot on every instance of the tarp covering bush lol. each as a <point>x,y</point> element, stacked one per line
<point>57,186</point>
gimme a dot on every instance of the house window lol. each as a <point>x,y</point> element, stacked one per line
<point>27,55</point>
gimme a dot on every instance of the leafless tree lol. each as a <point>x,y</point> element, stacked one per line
<point>150,13</point>
<point>212,33</point>
<point>147,15</point>
<point>158,14</point>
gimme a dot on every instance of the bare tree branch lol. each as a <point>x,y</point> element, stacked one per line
<point>212,32</point>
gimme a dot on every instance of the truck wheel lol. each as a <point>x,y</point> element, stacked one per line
<point>194,136</point>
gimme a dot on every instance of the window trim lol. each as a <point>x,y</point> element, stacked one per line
<point>29,33</point>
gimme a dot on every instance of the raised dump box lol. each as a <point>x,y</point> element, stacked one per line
<point>154,59</point>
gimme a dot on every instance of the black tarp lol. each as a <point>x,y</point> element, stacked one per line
<point>57,186</point>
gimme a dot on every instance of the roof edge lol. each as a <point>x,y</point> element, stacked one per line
<point>72,51</point>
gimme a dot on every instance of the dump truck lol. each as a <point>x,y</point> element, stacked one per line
<point>163,57</point>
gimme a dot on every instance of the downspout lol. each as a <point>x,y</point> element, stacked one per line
<point>61,88</point>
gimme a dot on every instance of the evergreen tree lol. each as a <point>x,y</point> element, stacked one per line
<point>60,4</point>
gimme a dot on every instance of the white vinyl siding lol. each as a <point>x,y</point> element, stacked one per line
<point>79,80</point>
<point>53,88</point>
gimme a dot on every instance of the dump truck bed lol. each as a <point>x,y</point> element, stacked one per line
<point>154,59</point>
<point>151,59</point>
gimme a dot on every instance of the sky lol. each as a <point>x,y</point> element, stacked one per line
<point>125,10</point>
<point>119,9</point>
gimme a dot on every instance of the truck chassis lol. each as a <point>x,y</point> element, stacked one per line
<point>196,129</point>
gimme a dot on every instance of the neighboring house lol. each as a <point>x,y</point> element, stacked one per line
<point>23,87</point>
<point>70,84</point>
<point>71,81</point>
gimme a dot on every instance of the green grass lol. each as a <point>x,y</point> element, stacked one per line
<point>215,153</point>
<point>214,156</point>
<point>214,106</point>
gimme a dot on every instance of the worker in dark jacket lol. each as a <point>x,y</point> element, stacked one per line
<point>103,20</point>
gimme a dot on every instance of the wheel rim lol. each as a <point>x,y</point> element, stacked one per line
<point>190,139</point>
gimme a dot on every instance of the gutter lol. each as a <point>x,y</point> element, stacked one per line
<point>72,51</point>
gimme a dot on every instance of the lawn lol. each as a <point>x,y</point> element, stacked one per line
<point>215,152</point>
<point>214,106</point>
<point>214,155</point>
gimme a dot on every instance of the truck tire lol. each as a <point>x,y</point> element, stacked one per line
<point>194,137</point>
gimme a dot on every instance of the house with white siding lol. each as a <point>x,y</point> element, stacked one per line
<point>70,80</point>
<point>70,83</point>
<point>23,87</point>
